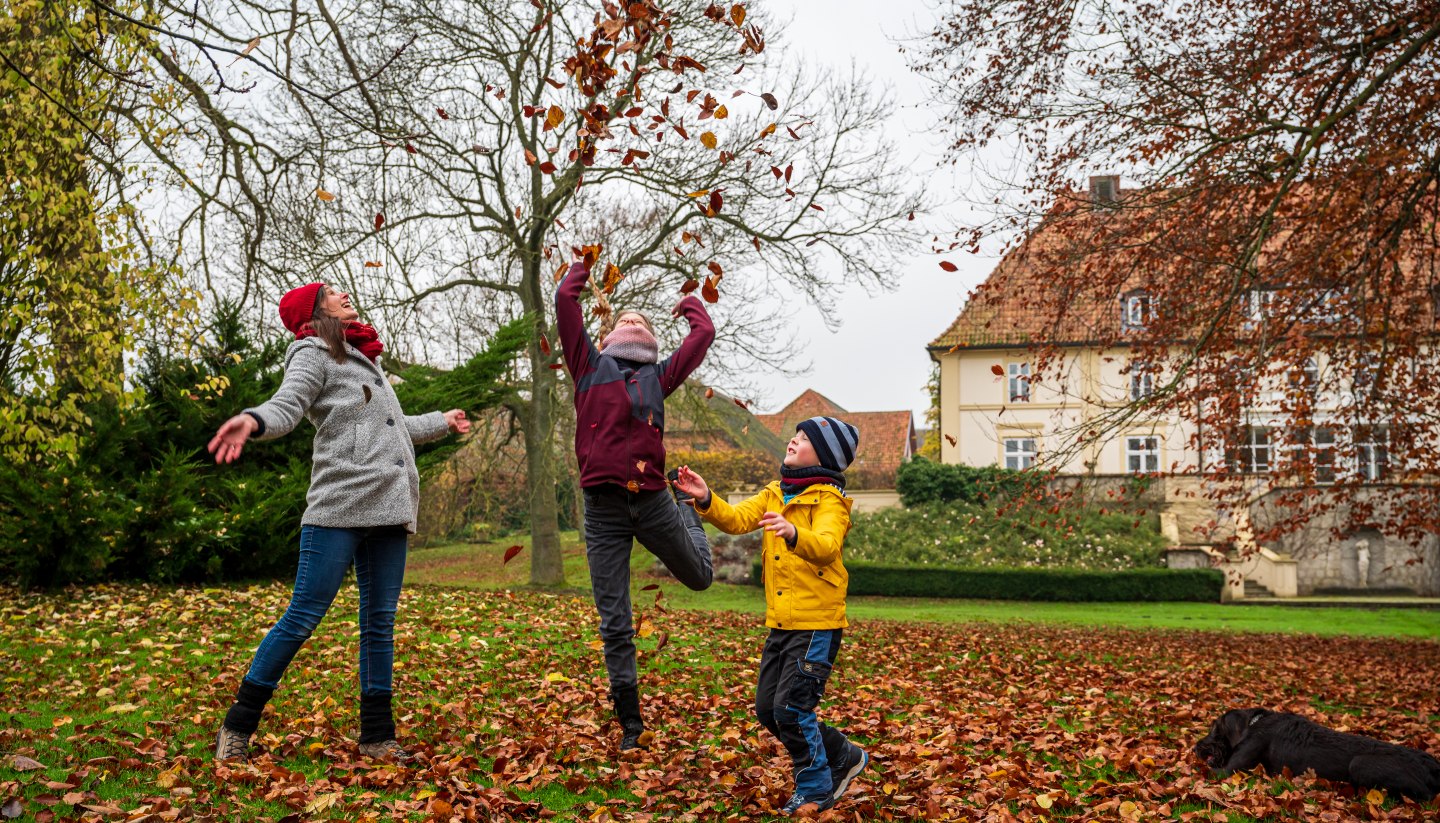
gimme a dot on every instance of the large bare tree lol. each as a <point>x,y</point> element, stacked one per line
<point>447,156</point>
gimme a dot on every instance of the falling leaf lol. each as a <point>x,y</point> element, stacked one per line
<point>816,207</point>
<point>770,101</point>
<point>700,193</point>
<point>948,266</point>
<point>324,195</point>
<point>632,486</point>
<point>547,167</point>
<point>767,131</point>
<point>951,439</point>
<point>379,220</point>
<point>709,292</point>
<point>640,465</point>
<point>997,370</point>
<point>511,552</point>
<point>443,115</point>
<point>737,15</point>
<point>249,47</point>
<point>690,285</point>
<point>716,201</point>
<point>530,158</point>
<point>709,140</point>
<point>374,264</point>
<point>741,403</point>
<point>721,113</point>
<point>554,117</point>
<point>544,345</point>
<point>557,366</point>
<point>709,393</point>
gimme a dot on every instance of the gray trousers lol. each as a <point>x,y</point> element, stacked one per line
<point>614,519</point>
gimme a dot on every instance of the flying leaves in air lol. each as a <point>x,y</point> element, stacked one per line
<point>948,266</point>
<point>324,195</point>
<point>379,220</point>
<point>511,552</point>
<point>997,370</point>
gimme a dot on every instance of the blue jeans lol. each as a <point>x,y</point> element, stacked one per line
<point>325,556</point>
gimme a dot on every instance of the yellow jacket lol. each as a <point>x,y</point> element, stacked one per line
<point>804,585</point>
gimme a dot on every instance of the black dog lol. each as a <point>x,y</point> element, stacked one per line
<point>1245,738</point>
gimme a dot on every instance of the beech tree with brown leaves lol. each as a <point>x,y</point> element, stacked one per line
<point>1260,230</point>
<point>422,152</point>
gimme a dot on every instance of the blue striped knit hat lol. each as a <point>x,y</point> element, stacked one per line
<point>835,441</point>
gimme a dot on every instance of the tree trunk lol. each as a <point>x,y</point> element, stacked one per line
<point>546,564</point>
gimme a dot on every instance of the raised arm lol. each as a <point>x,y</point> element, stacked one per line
<point>686,359</point>
<point>304,378</point>
<point>580,352</point>
<point>821,543</point>
<point>740,518</point>
<point>426,427</point>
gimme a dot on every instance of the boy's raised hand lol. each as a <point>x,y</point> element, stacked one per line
<point>776,523</point>
<point>691,483</point>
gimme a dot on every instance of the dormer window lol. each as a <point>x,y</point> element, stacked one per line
<point>1105,189</point>
<point>1136,310</point>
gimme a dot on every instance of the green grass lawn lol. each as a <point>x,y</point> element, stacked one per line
<point>479,566</point>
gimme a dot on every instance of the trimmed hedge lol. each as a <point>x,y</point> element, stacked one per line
<point>1071,585</point>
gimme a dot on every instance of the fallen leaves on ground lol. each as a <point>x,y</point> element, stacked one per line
<point>502,695</point>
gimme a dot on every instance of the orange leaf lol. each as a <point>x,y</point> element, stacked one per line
<point>951,439</point>
<point>554,117</point>
<point>640,465</point>
<point>632,486</point>
<point>690,285</point>
<point>997,370</point>
<point>722,113</point>
<point>948,266</point>
<point>324,195</point>
<point>768,130</point>
<point>737,15</point>
<point>544,345</point>
<point>709,393</point>
<point>700,193</point>
<point>709,140</point>
<point>511,552</point>
<point>530,158</point>
<point>373,264</point>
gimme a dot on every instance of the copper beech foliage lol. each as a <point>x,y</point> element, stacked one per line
<point>1276,209</point>
<point>503,697</point>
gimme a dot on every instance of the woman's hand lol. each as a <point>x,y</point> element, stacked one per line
<point>692,484</point>
<point>775,523</point>
<point>456,419</point>
<point>228,442</point>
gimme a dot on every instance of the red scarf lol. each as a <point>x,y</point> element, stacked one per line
<point>360,335</point>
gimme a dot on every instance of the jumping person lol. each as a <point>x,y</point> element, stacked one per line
<point>362,505</point>
<point>620,391</point>
<point>806,516</point>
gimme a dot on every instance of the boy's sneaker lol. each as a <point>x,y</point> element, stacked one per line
<point>842,773</point>
<point>799,801</point>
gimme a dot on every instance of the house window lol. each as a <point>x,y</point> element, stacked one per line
<point>1318,443</point>
<point>1255,450</point>
<point>1019,452</point>
<point>1372,452</point>
<point>1105,189</point>
<point>1142,455</point>
<point>1327,306</point>
<point>1304,379</point>
<point>1367,373</point>
<point>1260,304</point>
<point>1019,383</point>
<point>1137,308</point>
<point>1142,383</point>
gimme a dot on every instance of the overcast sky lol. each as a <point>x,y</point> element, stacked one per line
<point>876,360</point>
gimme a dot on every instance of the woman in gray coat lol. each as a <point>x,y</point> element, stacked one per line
<point>362,505</point>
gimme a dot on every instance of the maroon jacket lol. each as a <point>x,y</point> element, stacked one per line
<point>620,404</point>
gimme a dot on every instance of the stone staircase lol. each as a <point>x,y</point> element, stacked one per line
<point>1254,590</point>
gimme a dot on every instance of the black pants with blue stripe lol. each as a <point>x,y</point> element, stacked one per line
<point>794,668</point>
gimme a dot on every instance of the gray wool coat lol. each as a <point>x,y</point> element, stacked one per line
<point>363,465</point>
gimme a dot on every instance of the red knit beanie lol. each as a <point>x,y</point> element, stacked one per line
<point>298,306</point>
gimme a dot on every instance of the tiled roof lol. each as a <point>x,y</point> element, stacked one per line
<point>809,404</point>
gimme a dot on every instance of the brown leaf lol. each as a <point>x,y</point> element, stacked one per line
<point>709,393</point>
<point>379,220</point>
<point>324,195</point>
<point>950,438</point>
<point>544,345</point>
<point>948,266</point>
<point>443,115</point>
<point>690,285</point>
<point>554,117</point>
<point>21,763</point>
<point>737,15</point>
<point>709,291</point>
<point>770,100</point>
<point>547,167</point>
<point>511,552</point>
<point>741,403</point>
<point>997,370</point>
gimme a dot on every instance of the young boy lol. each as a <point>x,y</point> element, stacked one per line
<point>806,516</point>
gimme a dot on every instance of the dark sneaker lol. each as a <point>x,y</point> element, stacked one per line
<point>386,750</point>
<point>680,497</point>
<point>636,739</point>
<point>231,745</point>
<point>799,801</point>
<point>842,773</point>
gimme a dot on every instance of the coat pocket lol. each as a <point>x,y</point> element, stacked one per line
<point>808,685</point>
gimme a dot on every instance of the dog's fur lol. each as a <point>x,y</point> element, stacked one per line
<point>1242,739</point>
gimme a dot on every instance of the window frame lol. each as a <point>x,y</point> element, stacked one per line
<point>1018,373</point>
<point>1142,453</point>
<point>1020,453</point>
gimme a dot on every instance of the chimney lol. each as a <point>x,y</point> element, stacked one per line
<point>1105,189</point>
